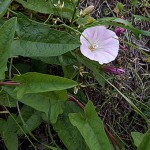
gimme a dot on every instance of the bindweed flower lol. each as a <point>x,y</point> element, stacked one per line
<point>113,70</point>
<point>100,44</point>
<point>119,31</point>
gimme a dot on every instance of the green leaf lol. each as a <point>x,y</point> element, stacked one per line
<point>41,6</point>
<point>116,23</point>
<point>1,22</point>
<point>100,80</point>
<point>67,59</point>
<point>107,19</point>
<point>10,140</point>
<point>27,48</point>
<point>91,128</point>
<point>4,4</point>
<point>9,134</point>
<point>6,100</point>
<point>32,119</point>
<point>127,25</point>
<point>121,23</point>
<point>146,33</point>
<point>137,138</point>
<point>69,134</point>
<point>119,6</point>
<point>145,144</point>
<point>134,2</point>
<point>33,82</point>
<point>38,40</point>
<point>85,20</point>
<point>93,66</point>
<point>67,11</point>
<point>70,71</point>
<point>139,17</point>
<point>2,125</point>
<point>50,103</point>
<point>7,31</point>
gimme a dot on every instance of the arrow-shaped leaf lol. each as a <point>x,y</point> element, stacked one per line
<point>38,40</point>
<point>4,4</point>
<point>91,128</point>
<point>37,5</point>
<point>33,82</point>
<point>7,31</point>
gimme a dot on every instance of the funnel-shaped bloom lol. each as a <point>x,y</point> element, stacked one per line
<point>99,44</point>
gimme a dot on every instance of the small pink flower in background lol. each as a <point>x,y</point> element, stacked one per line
<point>113,70</point>
<point>100,44</point>
<point>119,31</point>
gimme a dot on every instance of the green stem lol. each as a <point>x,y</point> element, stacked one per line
<point>51,137</point>
<point>28,130</point>
<point>75,31</point>
<point>15,68</point>
<point>21,115</point>
<point>12,11</point>
<point>10,68</point>
<point>63,66</point>
<point>64,25</point>
<point>47,19</point>
<point>130,44</point>
<point>74,12</point>
<point>50,1</point>
<point>49,130</point>
<point>20,128</point>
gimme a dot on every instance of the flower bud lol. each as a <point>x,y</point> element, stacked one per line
<point>87,10</point>
<point>113,70</point>
<point>119,31</point>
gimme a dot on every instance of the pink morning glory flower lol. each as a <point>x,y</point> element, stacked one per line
<point>100,44</point>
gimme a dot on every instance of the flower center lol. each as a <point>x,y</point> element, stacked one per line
<point>93,47</point>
